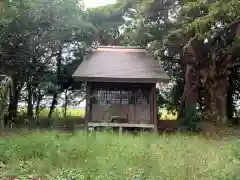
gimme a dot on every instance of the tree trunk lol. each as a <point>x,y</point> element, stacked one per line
<point>14,96</point>
<point>230,91</point>
<point>191,56</point>
<point>29,101</point>
<point>222,101</point>
<point>217,109</point>
<point>55,95</point>
<point>53,105</point>
<point>230,107</point>
<point>183,97</point>
<point>39,99</point>
<point>191,86</point>
<point>181,112</point>
<point>14,104</point>
<point>66,103</point>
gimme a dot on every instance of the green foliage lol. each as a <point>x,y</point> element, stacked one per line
<point>36,34</point>
<point>55,155</point>
<point>170,27</point>
<point>148,21</point>
<point>161,102</point>
<point>69,174</point>
<point>109,20</point>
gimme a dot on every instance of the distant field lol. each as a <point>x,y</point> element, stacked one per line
<point>167,116</point>
<point>70,112</point>
<point>81,112</point>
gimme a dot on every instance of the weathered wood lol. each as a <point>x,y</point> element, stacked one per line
<point>129,108</point>
<point>121,86</point>
<point>87,108</point>
<point>143,114</point>
<point>154,96</point>
<point>139,113</point>
<point>151,106</point>
<point>91,95</point>
<point>102,124</point>
<point>113,65</point>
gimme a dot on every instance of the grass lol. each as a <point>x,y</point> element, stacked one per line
<point>71,112</point>
<point>109,156</point>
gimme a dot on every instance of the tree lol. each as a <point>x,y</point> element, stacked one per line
<point>5,86</point>
<point>201,22</point>
<point>197,42</point>
<point>33,42</point>
<point>109,20</point>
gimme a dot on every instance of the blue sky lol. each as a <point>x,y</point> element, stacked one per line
<point>95,3</point>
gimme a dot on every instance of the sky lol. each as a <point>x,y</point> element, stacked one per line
<point>95,3</point>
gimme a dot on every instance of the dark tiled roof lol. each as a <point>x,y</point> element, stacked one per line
<point>118,64</point>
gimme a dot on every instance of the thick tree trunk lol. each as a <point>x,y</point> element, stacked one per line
<point>222,101</point>
<point>181,113</point>
<point>14,98</point>
<point>192,56</point>
<point>192,82</point>
<point>217,108</point>
<point>12,108</point>
<point>191,86</point>
<point>14,104</point>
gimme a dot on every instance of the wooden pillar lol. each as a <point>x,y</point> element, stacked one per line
<point>151,105</point>
<point>90,87</point>
<point>88,104</point>
<point>154,104</point>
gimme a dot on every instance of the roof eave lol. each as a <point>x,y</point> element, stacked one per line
<point>2,77</point>
<point>121,47</point>
<point>121,80</point>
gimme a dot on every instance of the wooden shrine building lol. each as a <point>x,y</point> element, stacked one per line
<point>121,87</point>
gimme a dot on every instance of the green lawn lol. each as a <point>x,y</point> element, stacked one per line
<point>109,156</point>
<point>81,112</point>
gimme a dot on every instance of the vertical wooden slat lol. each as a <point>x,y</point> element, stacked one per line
<point>90,87</point>
<point>135,107</point>
<point>151,105</point>
<point>143,114</point>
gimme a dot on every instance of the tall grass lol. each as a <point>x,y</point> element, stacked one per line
<point>55,155</point>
